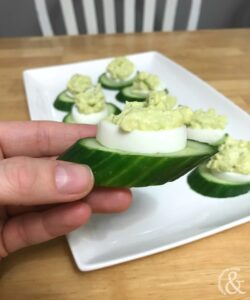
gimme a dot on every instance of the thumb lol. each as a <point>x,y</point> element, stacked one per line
<point>31,181</point>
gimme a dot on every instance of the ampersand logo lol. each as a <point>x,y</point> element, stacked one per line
<point>229,282</point>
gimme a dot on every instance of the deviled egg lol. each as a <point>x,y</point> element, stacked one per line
<point>206,126</point>
<point>90,107</point>
<point>77,84</point>
<point>143,84</point>
<point>143,129</point>
<point>120,73</point>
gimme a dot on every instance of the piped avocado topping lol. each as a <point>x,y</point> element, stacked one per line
<point>79,83</point>
<point>161,100</point>
<point>233,156</point>
<point>140,116</point>
<point>145,82</point>
<point>90,101</point>
<point>120,68</point>
<point>186,113</point>
<point>207,120</point>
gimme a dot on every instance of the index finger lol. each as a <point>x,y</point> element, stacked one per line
<point>40,138</point>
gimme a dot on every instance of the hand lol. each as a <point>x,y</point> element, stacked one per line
<point>40,197</point>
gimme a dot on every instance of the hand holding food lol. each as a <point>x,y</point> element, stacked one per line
<point>146,144</point>
<point>40,197</point>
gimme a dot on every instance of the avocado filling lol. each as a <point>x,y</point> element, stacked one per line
<point>206,120</point>
<point>90,101</point>
<point>233,156</point>
<point>141,116</point>
<point>145,82</point>
<point>120,69</point>
<point>161,100</point>
<point>79,83</point>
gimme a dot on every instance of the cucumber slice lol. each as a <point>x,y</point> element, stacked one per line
<point>110,84</point>
<point>115,168</point>
<point>112,109</point>
<point>127,94</point>
<point>64,102</point>
<point>68,119</point>
<point>205,183</point>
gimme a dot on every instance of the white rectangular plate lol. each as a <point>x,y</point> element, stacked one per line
<point>161,217</point>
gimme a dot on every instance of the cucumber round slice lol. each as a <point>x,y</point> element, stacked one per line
<point>68,119</point>
<point>112,109</point>
<point>127,94</point>
<point>202,181</point>
<point>64,102</point>
<point>115,168</point>
<point>110,84</point>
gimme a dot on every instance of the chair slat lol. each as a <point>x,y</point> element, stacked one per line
<point>109,16</point>
<point>148,15</point>
<point>129,22</point>
<point>69,17</point>
<point>169,15</point>
<point>43,18</point>
<point>194,15</point>
<point>129,16</point>
<point>90,16</point>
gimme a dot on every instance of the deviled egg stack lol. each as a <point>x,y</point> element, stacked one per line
<point>206,126</point>
<point>90,106</point>
<point>121,69</point>
<point>78,84</point>
<point>143,128</point>
<point>232,162</point>
<point>145,83</point>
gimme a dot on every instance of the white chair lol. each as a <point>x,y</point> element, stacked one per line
<point>129,14</point>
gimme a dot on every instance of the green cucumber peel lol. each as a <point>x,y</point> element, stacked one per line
<point>115,168</point>
<point>202,181</point>
<point>127,94</point>
<point>63,102</point>
<point>112,109</point>
<point>110,84</point>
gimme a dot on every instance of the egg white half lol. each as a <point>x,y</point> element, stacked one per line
<point>162,141</point>
<point>232,177</point>
<point>209,136</point>
<point>118,80</point>
<point>92,118</point>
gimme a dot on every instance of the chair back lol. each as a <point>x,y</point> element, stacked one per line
<point>114,17</point>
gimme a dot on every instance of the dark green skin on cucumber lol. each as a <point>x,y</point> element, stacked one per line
<point>115,168</point>
<point>127,95</point>
<point>203,182</point>
<point>110,84</point>
<point>113,109</point>
<point>68,119</point>
<point>63,102</point>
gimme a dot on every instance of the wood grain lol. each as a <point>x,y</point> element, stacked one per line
<point>47,271</point>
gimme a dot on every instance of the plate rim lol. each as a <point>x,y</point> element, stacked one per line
<point>95,266</point>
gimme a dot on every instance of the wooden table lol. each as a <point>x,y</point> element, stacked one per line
<point>47,271</point>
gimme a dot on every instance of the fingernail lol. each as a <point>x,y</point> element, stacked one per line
<point>72,178</point>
